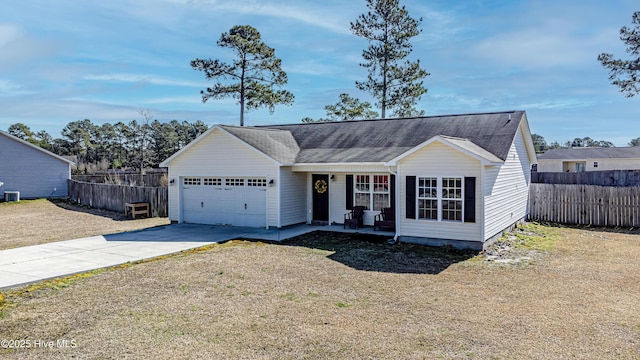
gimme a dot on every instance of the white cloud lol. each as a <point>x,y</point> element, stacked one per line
<point>141,78</point>
<point>8,33</point>
<point>17,47</point>
<point>312,15</point>
<point>175,100</point>
<point>9,88</point>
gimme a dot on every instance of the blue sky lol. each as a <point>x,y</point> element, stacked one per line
<point>68,60</point>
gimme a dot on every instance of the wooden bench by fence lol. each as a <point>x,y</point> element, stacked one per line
<point>137,208</point>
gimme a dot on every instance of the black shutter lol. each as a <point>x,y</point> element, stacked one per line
<point>469,199</point>
<point>411,197</point>
<point>349,192</point>
<point>392,188</point>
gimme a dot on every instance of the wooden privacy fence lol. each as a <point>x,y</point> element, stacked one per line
<point>113,197</point>
<point>602,178</point>
<point>585,204</point>
<point>147,180</point>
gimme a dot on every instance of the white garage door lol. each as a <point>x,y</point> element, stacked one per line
<point>219,200</point>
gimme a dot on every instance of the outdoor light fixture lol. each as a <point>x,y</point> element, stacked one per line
<point>173,181</point>
<point>333,177</point>
<point>271,182</point>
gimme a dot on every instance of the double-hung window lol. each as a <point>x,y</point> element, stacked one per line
<point>371,191</point>
<point>440,198</point>
<point>428,198</point>
<point>363,191</point>
<point>452,199</point>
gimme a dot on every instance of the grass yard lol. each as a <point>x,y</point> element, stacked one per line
<point>547,293</point>
<point>34,222</point>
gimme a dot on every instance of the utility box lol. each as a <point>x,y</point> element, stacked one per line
<point>11,196</point>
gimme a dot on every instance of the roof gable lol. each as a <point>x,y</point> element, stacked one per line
<point>37,148</point>
<point>266,150</point>
<point>463,145</point>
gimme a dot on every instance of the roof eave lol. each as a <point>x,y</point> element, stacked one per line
<point>528,140</point>
<point>377,163</point>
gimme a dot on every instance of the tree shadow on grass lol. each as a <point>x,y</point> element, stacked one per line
<point>373,253</point>
<point>70,205</point>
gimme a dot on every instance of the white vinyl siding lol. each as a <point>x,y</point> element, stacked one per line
<point>549,165</point>
<point>440,161</point>
<point>293,194</point>
<point>337,198</point>
<point>221,155</point>
<point>32,172</point>
<point>506,191</point>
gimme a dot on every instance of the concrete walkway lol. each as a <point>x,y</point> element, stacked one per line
<point>21,266</point>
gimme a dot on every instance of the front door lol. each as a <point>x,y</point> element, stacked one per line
<point>320,191</point>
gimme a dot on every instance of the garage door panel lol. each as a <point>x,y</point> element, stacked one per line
<point>232,201</point>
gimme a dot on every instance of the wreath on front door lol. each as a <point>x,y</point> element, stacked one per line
<point>320,186</point>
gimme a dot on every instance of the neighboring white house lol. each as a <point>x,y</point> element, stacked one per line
<point>589,159</point>
<point>31,170</point>
<point>458,179</point>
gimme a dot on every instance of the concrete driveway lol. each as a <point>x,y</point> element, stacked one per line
<point>30,264</point>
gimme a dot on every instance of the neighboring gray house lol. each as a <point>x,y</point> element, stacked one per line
<point>31,170</point>
<point>458,179</point>
<point>589,159</point>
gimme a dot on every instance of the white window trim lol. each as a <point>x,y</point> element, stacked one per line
<point>439,197</point>
<point>371,189</point>
<point>418,198</point>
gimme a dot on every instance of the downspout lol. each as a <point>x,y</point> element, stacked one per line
<point>483,219</point>
<point>267,205</point>
<point>396,205</point>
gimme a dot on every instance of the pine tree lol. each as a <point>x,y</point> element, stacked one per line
<point>626,73</point>
<point>393,80</point>
<point>254,73</point>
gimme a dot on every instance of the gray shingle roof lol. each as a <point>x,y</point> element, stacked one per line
<point>378,140</point>
<point>592,153</point>
<point>278,144</point>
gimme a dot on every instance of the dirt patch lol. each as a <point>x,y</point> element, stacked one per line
<point>42,221</point>
<point>524,245</point>
<point>324,297</point>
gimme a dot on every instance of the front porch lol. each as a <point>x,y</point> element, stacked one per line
<point>297,230</point>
